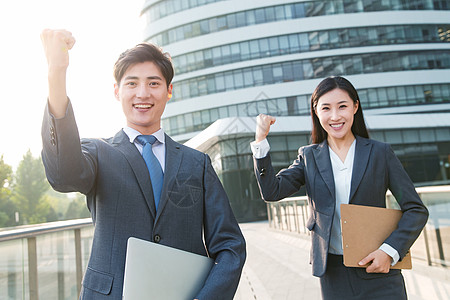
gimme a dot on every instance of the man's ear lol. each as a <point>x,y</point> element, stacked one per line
<point>169,92</point>
<point>116,91</point>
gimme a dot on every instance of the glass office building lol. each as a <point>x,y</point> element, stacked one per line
<point>236,59</point>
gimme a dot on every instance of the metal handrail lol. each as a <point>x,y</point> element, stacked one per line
<point>291,214</point>
<point>31,232</point>
<point>39,229</point>
<point>419,190</point>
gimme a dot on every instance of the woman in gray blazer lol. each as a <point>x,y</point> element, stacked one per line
<point>342,165</point>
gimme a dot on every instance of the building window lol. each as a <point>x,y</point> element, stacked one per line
<point>316,68</point>
<point>299,106</point>
<point>268,14</point>
<point>312,41</point>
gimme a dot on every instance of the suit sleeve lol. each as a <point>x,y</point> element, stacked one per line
<point>68,167</point>
<point>415,214</point>
<point>274,187</point>
<point>223,239</point>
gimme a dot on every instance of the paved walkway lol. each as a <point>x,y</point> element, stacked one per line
<point>277,268</point>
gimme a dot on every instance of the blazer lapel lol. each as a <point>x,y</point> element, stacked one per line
<point>323,162</point>
<point>174,156</point>
<point>362,153</point>
<point>137,163</point>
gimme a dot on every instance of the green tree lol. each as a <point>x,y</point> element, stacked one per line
<point>7,207</point>
<point>29,191</point>
<point>77,208</point>
<point>59,201</point>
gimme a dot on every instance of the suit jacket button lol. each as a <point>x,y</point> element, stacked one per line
<point>262,172</point>
<point>157,238</point>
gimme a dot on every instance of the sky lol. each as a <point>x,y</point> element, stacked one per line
<point>102,28</point>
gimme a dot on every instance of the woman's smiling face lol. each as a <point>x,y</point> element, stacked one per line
<point>335,111</point>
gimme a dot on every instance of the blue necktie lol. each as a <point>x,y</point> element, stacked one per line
<point>153,165</point>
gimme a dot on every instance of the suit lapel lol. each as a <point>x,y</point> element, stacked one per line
<point>174,156</point>
<point>362,153</point>
<point>137,163</point>
<point>323,162</point>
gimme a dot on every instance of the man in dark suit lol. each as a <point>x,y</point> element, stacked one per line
<point>192,212</point>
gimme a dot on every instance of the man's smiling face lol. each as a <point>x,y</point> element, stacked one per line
<point>143,93</point>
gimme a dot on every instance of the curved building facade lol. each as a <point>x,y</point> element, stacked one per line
<point>236,59</point>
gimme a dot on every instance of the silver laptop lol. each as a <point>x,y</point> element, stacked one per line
<point>154,271</point>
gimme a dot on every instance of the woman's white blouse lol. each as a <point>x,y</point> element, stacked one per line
<point>342,172</point>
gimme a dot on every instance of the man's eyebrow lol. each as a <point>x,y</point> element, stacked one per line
<point>136,77</point>
<point>130,78</point>
<point>154,77</point>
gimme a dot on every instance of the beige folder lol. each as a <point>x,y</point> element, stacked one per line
<point>364,229</point>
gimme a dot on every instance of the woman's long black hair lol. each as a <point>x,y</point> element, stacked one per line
<point>318,134</point>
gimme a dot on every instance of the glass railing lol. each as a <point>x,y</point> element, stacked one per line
<point>44,261</point>
<point>47,261</point>
<point>432,246</point>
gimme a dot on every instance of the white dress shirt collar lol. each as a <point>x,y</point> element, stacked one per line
<point>159,148</point>
<point>133,133</point>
